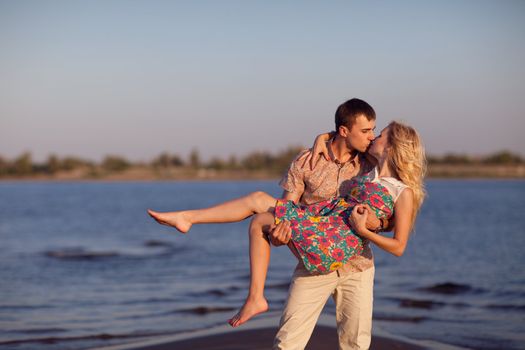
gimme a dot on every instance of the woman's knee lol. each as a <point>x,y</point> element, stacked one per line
<point>258,195</point>
<point>261,200</point>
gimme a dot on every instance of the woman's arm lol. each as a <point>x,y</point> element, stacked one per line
<point>402,212</point>
<point>318,149</point>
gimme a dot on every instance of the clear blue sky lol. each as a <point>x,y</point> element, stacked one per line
<point>136,78</point>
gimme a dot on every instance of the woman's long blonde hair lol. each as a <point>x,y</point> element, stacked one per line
<point>406,156</point>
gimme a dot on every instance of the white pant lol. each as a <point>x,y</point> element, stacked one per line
<point>353,296</point>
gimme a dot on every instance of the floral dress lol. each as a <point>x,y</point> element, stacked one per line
<point>321,232</point>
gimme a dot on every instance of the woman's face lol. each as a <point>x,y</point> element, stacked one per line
<point>379,145</point>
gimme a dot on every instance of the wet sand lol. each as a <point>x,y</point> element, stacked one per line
<point>323,338</point>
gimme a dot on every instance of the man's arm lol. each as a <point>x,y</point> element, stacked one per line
<point>282,232</point>
<point>293,185</point>
<point>292,196</point>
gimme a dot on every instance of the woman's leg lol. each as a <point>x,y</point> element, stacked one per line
<point>259,260</point>
<point>231,211</point>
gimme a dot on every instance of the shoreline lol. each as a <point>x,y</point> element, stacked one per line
<point>144,174</point>
<point>258,336</point>
<point>196,180</point>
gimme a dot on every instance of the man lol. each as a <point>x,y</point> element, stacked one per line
<point>352,285</point>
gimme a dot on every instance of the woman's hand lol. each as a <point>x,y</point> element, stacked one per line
<point>372,222</point>
<point>319,149</point>
<point>358,219</point>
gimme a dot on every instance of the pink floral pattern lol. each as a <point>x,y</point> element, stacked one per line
<point>321,232</point>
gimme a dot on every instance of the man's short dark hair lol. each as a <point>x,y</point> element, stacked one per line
<point>348,112</point>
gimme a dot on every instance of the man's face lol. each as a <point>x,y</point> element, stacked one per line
<point>361,134</point>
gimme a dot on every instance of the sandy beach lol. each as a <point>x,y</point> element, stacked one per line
<point>323,338</point>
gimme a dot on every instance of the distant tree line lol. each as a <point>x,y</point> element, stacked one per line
<point>23,165</point>
<point>498,158</point>
<point>259,160</point>
<point>272,163</point>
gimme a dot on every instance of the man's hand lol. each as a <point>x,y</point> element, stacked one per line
<point>280,235</point>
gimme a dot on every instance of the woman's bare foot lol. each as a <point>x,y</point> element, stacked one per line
<point>177,219</point>
<point>252,307</point>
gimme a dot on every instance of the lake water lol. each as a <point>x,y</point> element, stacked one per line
<point>82,265</point>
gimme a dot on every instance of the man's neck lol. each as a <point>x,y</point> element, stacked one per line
<point>340,150</point>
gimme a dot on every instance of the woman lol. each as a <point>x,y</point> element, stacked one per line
<point>327,234</point>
